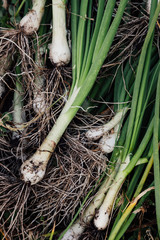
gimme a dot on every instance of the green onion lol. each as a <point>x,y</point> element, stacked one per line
<point>31,21</point>
<point>122,98</point>
<point>59,49</point>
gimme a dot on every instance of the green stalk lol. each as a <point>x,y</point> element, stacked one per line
<point>88,36</point>
<point>19,9</point>
<point>142,105</point>
<point>99,30</point>
<point>74,27</point>
<point>156,139</point>
<point>81,35</point>
<point>104,27</point>
<point>88,81</point>
<point>141,97</point>
<point>141,148</point>
<point>120,96</point>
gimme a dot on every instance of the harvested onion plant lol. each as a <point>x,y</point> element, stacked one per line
<point>31,21</point>
<point>59,48</point>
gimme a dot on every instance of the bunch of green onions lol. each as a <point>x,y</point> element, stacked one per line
<point>131,143</point>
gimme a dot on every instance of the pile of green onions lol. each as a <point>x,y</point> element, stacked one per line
<point>132,135</point>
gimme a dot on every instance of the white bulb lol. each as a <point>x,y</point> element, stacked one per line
<point>59,49</point>
<point>31,21</point>
<point>107,143</point>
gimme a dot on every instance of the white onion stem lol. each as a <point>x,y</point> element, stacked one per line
<point>59,49</point>
<point>96,133</point>
<point>101,219</point>
<point>31,21</point>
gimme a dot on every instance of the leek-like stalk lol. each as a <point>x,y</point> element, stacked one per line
<point>59,49</point>
<point>39,96</point>
<point>108,140</point>
<point>31,21</point>
<point>34,168</point>
<point>103,213</point>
